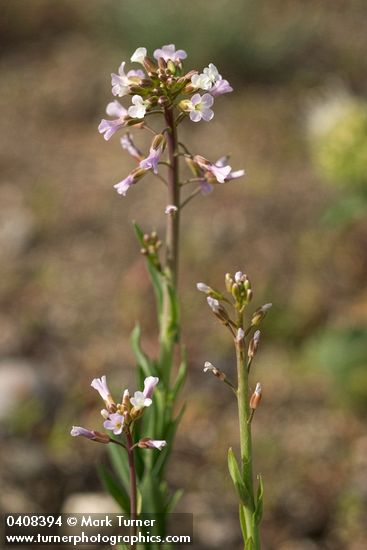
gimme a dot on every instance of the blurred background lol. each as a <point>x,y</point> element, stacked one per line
<point>73,283</point>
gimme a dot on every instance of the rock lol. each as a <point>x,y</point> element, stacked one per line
<point>17,223</point>
<point>18,381</point>
<point>91,503</point>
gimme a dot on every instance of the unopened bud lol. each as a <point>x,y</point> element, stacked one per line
<point>228,282</point>
<point>208,367</point>
<point>189,89</point>
<point>256,397</point>
<point>171,66</point>
<point>159,141</point>
<point>236,293</point>
<point>149,65</point>
<point>171,209</point>
<point>162,64</point>
<point>105,414</point>
<point>147,443</point>
<point>259,314</point>
<point>162,101</point>
<point>126,400</point>
<point>240,335</point>
<point>249,295</point>
<point>202,287</point>
<point>253,345</point>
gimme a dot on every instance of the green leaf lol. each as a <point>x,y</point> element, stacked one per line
<point>120,463</point>
<point>181,375</point>
<point>156,276</point>
<point>237,478</point>
<point>171,505</point>
<point>243,523</point>
<point>142,359</point>
<point>249,544</point>
<point>259,501</point>
<point>168,435</point>
<point>174,313</point>
<point>115,489</point>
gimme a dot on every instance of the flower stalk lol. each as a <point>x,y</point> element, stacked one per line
<point>239,289</point>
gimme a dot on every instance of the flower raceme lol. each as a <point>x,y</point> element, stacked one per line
<point>119,417</point>
<point>161,86</point>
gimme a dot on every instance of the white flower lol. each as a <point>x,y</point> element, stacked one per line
<point>139,401</point>
<point>139,55</point>
<point>138,107</point>
<point>199,107</point>
<point>207,78</point>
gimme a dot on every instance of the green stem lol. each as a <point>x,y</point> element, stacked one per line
<point>168,336</point>
<point>133,492</point>
<point>245,436</point>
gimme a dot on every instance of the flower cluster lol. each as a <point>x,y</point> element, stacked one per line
<point>118,417</point>
<point>239,288</point>
<point>163,87</point>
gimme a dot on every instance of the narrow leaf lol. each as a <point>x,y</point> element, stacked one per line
<point>115,489</point>
<point>259,501</point>
<point>120,464</point>
<point>237,478</point>
<point>142,359</point>
<point>155,275</point>
<point>181,375</point>
<point>243,522</point>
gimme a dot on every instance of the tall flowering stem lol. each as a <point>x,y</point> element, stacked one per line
<point>246,342</point>
<point>163,95</point>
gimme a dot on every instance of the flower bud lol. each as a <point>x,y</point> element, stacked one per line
<point>171,66</point>
<point>202,287</point>
<point>162,64</point>
<point>208,367</point>
<point>147,443</point>
<point>171,209</point>
<point>256,397</point>
<point>149,66</point>
<point>228,282</point>
<point>159,141</point>
<point>253,345</point>
<point>259,314</point>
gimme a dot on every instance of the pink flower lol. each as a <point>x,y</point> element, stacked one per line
<point>220,87</point>
<point>121,82</point>
<point>109,127</point>
<point>115,422</point>
<point>100,384</point>
<point>199,107</point>
<point>169,52</point>
<point>128,144</point>
<point>123,186</point>
<point>149,384</point>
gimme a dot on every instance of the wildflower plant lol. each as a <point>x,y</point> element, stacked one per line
<point>159,96</point>
<point>246,339</point>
